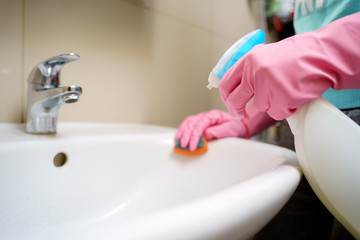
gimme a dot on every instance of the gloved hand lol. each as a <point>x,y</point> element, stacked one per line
<point>213,125</point>
<point>216,124</point>
<point>284,76</point>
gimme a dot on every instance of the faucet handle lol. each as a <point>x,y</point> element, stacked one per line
<point>47,73</point>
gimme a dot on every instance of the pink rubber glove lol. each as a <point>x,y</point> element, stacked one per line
<point>216,124</point>
<point>284,76</point>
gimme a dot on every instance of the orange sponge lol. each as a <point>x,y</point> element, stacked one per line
<point>202,148</point>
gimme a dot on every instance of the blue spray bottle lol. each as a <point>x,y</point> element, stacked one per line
<point>233,54</point>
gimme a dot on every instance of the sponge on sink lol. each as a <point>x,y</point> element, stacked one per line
<point>202,147</point>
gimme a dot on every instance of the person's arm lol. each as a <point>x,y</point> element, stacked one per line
<point>256,121</point>
<point>284,76</point>
<point>216,124</point>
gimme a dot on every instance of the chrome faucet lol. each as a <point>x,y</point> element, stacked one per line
<point>45,96</point>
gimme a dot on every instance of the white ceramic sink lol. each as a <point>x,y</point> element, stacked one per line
<point>125,182</point>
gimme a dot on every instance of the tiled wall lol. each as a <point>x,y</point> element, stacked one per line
<point>140,60</point>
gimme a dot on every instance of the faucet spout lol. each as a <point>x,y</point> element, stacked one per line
<point>45,96</point>
<point>52,97</point>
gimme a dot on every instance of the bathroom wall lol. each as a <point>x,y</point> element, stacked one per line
<point>144,61</point>
<point>11,39</point>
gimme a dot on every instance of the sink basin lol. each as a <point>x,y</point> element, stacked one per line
<point>123,181</point>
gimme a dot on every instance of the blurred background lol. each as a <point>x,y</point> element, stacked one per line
<point>141,61</point>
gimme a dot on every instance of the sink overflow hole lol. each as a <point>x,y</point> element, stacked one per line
<point>60,159</point>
